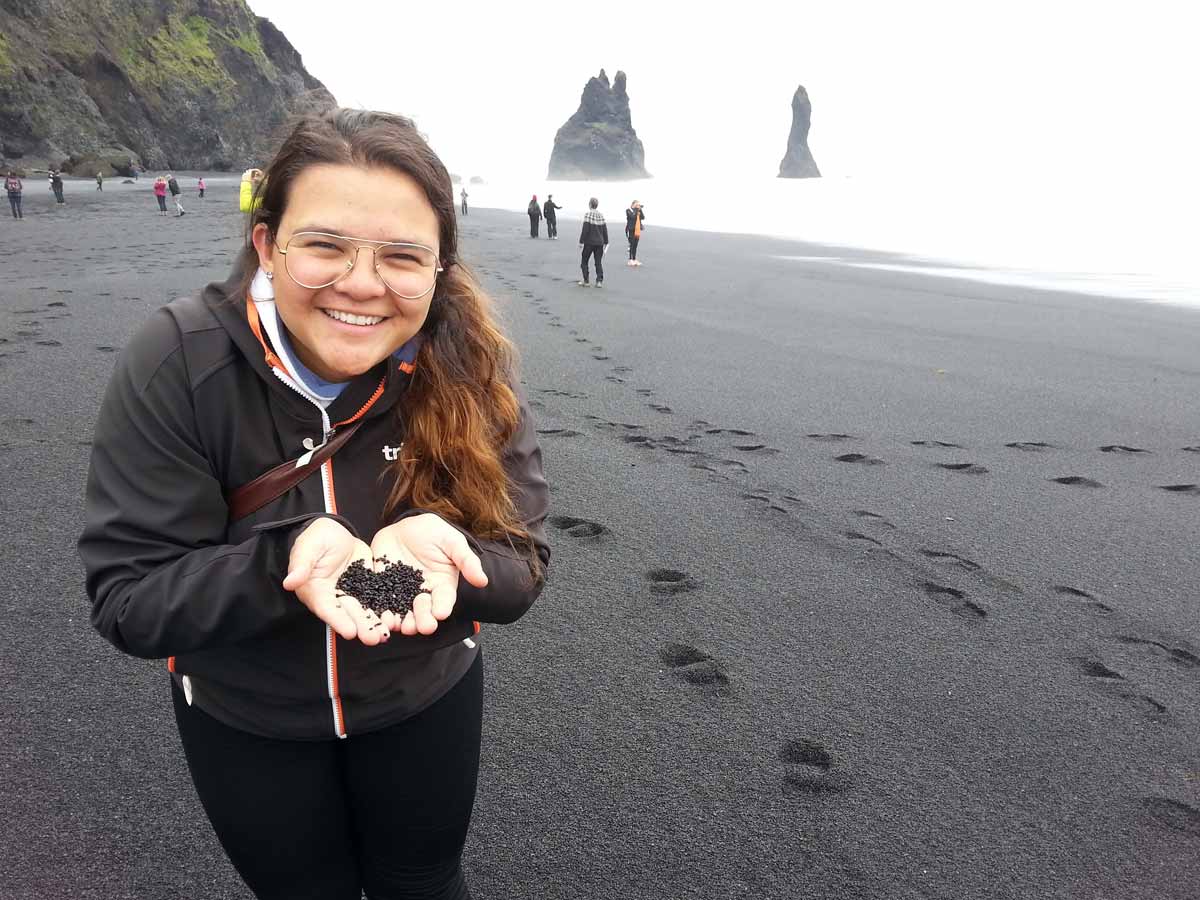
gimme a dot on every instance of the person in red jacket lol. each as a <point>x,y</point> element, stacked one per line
<point>13,187</point>
<point>160,191</point>
<point>333,742</point>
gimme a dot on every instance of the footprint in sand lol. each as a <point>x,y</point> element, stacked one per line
<point>582,340</point>
<point>1093,668</point>
<point>614,379</point>
<point>48,343</point>
<point>873,518</point>
<point>954,600</point>
<point>813,771</point>
<point>1195,449</point>
<point>601,357</point>
<point>1077,481</point>
<point>578,528</point>
<point>621,370</point>
<point>559,432</point>
<point>1173,488</point>
<point>1173,814</point>
<point>937,444</point>
<point>832,437</point>
<point>1121,448</point>
<point>658,407</point>
<point>670,581</point>
<point>758,449</point>
<point>693,666</point>
<point>965,468</point>
<point>945,556</point>
<point>1030,446</point>
<point>859,536</point>
<point>737,431</point>
<point>1177,655</point>
<point>860,458</point>
<point>60,303</point>
<point>1076,594</point>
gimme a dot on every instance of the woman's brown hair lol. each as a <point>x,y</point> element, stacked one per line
<point>460,410</point>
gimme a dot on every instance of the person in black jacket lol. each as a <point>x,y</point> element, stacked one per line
<point>551,217</point>
<point>173,187</point>
<point>593,239</point>
<point>535,216</point>
<point>56,185</point>
<point>310,720</point>
<point>634,216</point>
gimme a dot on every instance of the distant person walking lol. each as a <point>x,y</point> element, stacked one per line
<point>14,187</point>
<point>593,238</point>
<point>464,201</point>
<point>99,181</point>
<point>135,169</point>
<point>56,185</point>
<point>633,230</point>
<point>200,187</point>
<point>160,191</point>
<point>173,187</point>
<point>535,216</point>
<point>551,217</point>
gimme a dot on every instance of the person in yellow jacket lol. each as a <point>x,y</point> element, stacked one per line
<point>247,201</point>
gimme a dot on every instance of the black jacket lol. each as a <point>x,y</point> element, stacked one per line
<point>173,186</point>
<point>549,208</point>
<point>594,230</point>
<point>194,410</point>
<point>631,215</point>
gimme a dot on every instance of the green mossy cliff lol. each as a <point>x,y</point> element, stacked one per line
<point>185,84</point>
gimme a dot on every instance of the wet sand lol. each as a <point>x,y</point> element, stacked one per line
<point>865,584</point>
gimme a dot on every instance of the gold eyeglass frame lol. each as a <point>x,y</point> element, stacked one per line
<point>358,244</point>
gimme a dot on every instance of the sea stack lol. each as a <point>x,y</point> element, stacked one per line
<point>598,142</point>
<point>798,162</point>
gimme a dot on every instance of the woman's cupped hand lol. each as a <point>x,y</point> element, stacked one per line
<point>325,549</point>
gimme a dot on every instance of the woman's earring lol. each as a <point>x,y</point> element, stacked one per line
<point>270,276</point>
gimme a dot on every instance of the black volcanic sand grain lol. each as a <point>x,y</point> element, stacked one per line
<point>391,590</point>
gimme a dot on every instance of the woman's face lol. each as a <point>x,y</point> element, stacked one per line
<point>375,204</point>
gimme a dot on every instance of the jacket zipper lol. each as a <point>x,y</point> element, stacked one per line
<point>330,504</point>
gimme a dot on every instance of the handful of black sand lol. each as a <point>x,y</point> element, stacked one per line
<point>391,590</point>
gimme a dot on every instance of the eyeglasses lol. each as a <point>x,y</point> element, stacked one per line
<point>315,260</point>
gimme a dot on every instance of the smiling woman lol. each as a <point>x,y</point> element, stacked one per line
<point>347,312</point>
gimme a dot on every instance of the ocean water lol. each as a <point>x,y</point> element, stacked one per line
<point>1125,237</point>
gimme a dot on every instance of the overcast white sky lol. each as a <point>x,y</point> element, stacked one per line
<point>903,90</point>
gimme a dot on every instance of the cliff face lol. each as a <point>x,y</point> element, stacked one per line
<point>798,162</point>
<point>599,142</point>
<point>186,84</point>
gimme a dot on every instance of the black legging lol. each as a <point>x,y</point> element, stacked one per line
<point>386,812</point>
<point>633,242</point>
<point>14,200</point>
<point>596,250</point>
<point>533,225</point>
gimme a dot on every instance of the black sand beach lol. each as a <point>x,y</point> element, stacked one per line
<point>865,585</point>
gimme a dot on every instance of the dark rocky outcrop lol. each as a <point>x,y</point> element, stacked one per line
<point>798,162</point>
<point>185,84</point>
<point>598,142</point>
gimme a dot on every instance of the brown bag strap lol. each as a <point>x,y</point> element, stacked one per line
<point>256,494</point>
